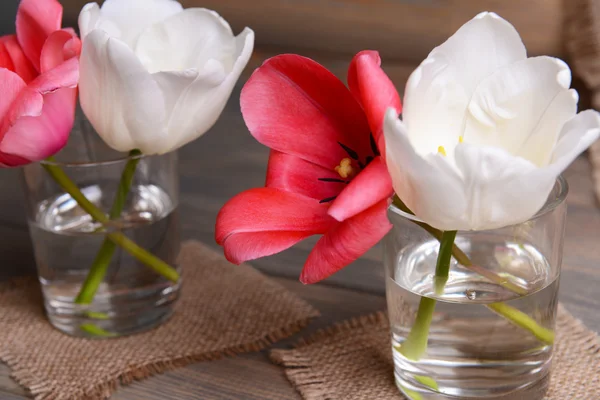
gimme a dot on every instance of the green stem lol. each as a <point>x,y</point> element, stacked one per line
<point>415,344</point>
<point>523,320</point>
<point>118,238</point>
<point>442,268</point>
<point>102,261</point>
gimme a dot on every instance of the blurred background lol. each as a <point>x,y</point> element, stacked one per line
<point>402,30</point>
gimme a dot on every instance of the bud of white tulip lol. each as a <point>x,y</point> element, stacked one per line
<point>154,76</point>
<point>485,131</point>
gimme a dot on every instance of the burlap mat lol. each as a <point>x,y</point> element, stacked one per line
<point>353,361</point>
<point>223,310</point>
<point>582,41</point>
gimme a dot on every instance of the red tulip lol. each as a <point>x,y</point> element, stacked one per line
<point>39,70</point>
<point>325,175</point>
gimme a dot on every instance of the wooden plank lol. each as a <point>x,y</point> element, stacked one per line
<point>400,29</point>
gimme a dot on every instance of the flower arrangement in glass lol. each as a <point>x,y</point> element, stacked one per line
<point>152,77</point>
<point>475,228</point>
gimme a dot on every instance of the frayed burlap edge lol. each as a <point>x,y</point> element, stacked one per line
<point>298,368</point>
<point>141,372</point>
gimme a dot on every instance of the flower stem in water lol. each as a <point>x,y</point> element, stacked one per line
<point>415,344</point>
<point>118,238</point>
<point>105,254</point>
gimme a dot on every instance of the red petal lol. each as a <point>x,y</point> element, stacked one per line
<point>13,58</point>
<point>36,20</point>
<point>345,243</point>
<point>374,90</point>
<point>293,174</point>
<point>296,106</point>
<point>60,46</point>
<point>369,187</point>
<point>242,247</point>
<point>271,210</point>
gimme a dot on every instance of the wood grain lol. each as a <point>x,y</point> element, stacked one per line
<point>401,29</point>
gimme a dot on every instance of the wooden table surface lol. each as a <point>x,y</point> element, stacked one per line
<point>228,160</point>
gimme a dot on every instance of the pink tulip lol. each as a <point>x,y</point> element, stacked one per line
<point>325,175</point>
<point>39,70</point>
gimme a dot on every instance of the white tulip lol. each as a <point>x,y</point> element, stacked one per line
<point>485,131</point>
<point>154,76</point>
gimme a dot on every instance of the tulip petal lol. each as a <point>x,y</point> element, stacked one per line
<point>508,105</point>
<point>496,189</point>
<point>438,91</point>
<point>13,58</point>
<point>11,87</point>
<point>242,247</point>
<point>296,106</point>
<point>186,40</point>
<point>202,103</point>
<point>374,90</point>
<point>60,46</point>
<point>120,98</point>
<point>271,210</point>
<point>36,20</point>
<point>430,187</point>
<point>346,242</point>
<point>539,146</point>
<point>34,138</point>
<point>575,137</point>
<point>293,174</point>
<point>370,186</point>
<point>126,20</point>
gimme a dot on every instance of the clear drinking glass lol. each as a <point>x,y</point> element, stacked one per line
<point>491,333</point>
<point>131,297</point>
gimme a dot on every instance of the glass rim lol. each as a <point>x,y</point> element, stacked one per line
<point>88,164</point>
<point>549,206</point>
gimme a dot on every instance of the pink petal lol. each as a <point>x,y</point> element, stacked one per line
<point>293,174</point>
<point>369,187</point>
<point>30,101</point>
<point>296,106</point>
<point>242,247</point>
<point>60,46</point>
<point>36,138</point>
<point>374,90</point>
<point>65,75</point>
<point>13,58</point>
<point>36,20</point>
<point>11,85</point>
<point>271,210</point>
<point>345,243</point>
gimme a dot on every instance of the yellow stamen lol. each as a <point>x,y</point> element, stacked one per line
<point>442,151</point>
<point>345,169</point>
<point>461,139</point>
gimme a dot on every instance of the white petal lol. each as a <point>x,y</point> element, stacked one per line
<point>119,97</point>
<point>88,18</point>
<point>131,17</point>
<point>498,190</point>
<point>508,105</point>
<point>432,190</point>
<point>541,143</point>
<point>576,136</point>
<point>202,102</point>
<point>438,92</point>
<point>187,40</point>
